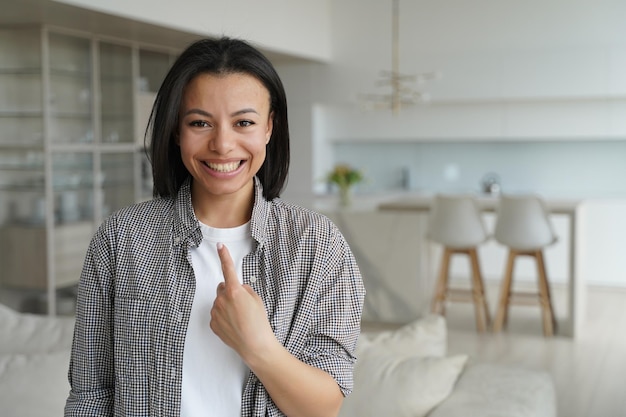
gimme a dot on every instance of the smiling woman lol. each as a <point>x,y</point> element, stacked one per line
<point>217,297</point>
<point>225,125</point>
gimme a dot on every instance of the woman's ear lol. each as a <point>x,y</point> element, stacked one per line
<point>270,128</point>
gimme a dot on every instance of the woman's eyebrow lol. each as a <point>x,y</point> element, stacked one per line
<point>197,111</point>
<point>207,114</point>
<point>243,111</point>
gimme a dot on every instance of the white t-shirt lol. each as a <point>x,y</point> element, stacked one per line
<point>213,374</point>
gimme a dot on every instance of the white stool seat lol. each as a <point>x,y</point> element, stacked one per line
<point>455,222</point>
<point>523,223</point>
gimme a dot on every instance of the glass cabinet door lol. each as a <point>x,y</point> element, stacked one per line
<point>21,104</point>
<point>117,93</point>
<point>70,99</point>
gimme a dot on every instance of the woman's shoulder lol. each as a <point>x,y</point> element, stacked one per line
<point>301,219</point>
<point>286,209</point>
<point>156,207</point>
<point>149,213</point>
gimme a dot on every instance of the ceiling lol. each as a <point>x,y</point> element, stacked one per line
<point>20,12</point>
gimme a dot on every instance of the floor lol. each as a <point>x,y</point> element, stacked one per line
<point>589,372</point>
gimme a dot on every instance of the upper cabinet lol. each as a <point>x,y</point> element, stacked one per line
<point>73,114</point>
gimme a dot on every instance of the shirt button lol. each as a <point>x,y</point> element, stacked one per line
<point>177,240</point>
<point>252,279</point>
<point>173,373</point>
<point>179,316</point>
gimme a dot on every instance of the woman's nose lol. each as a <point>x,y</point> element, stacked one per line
<point>222,141</point>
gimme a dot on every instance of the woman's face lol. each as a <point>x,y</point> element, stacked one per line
<point>225,124</point>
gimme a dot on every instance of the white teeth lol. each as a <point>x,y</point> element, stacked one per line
<point>231,166</point>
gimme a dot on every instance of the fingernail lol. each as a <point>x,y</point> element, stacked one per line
<point>220,245</point>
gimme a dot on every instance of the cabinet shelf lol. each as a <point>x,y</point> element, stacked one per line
<point>22,167</point>
<point>70,115</point>
<point>21,114</point>
<point>70,73</point>
<point>20,71</point>
<point>21,146</point>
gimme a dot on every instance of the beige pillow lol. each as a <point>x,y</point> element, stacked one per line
<point>388,384</point>
<point>403,372</point>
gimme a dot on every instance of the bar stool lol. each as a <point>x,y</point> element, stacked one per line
<point>455,222</point>
<point>523,225</point>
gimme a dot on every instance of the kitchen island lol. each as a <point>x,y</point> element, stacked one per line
<point>399,264</point>
<point>571,208</point>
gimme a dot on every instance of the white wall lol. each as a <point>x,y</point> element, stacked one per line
<point>299,28</point>
<point>511,69</point>
<point>486,49</point>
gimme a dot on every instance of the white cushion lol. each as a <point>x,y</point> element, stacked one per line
<point>32,333</point>
<point>403,372</point>
<point>426,336</point>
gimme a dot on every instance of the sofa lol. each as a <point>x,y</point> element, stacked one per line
<point>406,372</point>
<point>400,372</point>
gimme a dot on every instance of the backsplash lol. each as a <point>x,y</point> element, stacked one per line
<point>554,168</point>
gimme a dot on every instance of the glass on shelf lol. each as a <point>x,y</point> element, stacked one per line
<point>25,206</point>
<point>22,193</point>
<point>72,183</point>
<point>117,93</point>
<point>117,184</point>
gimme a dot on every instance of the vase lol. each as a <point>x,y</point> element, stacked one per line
<point>345,196</point>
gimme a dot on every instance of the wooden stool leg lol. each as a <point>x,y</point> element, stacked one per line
<point>478,293</point>
<point>545,300</point>
<point>505,294</point>
<point>441,289</point>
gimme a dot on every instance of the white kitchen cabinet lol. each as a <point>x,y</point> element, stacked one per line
<point>70,151</point>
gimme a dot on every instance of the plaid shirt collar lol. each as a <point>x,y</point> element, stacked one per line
<point>188,226</point>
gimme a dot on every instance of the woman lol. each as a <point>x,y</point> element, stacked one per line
<point>216,298</point>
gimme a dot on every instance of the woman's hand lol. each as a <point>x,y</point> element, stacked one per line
<point>238,316</point>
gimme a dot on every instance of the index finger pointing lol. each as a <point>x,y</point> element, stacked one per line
<point>228,266</point>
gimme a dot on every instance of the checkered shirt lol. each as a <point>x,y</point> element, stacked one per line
<point>138,284</point>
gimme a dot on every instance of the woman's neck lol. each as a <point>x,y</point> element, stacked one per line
<point>223,211</point>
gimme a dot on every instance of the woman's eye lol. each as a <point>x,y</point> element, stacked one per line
<point>244,123</point>
<point>199,123</point>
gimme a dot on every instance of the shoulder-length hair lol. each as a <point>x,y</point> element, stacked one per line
<point>215,56</point>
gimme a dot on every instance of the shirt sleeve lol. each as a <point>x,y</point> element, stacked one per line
<point>336,320</point>
<point>91,370</point>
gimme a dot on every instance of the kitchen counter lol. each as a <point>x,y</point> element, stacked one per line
<point>485,202</point>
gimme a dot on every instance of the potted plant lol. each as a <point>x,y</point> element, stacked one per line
<point>344,177</point>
